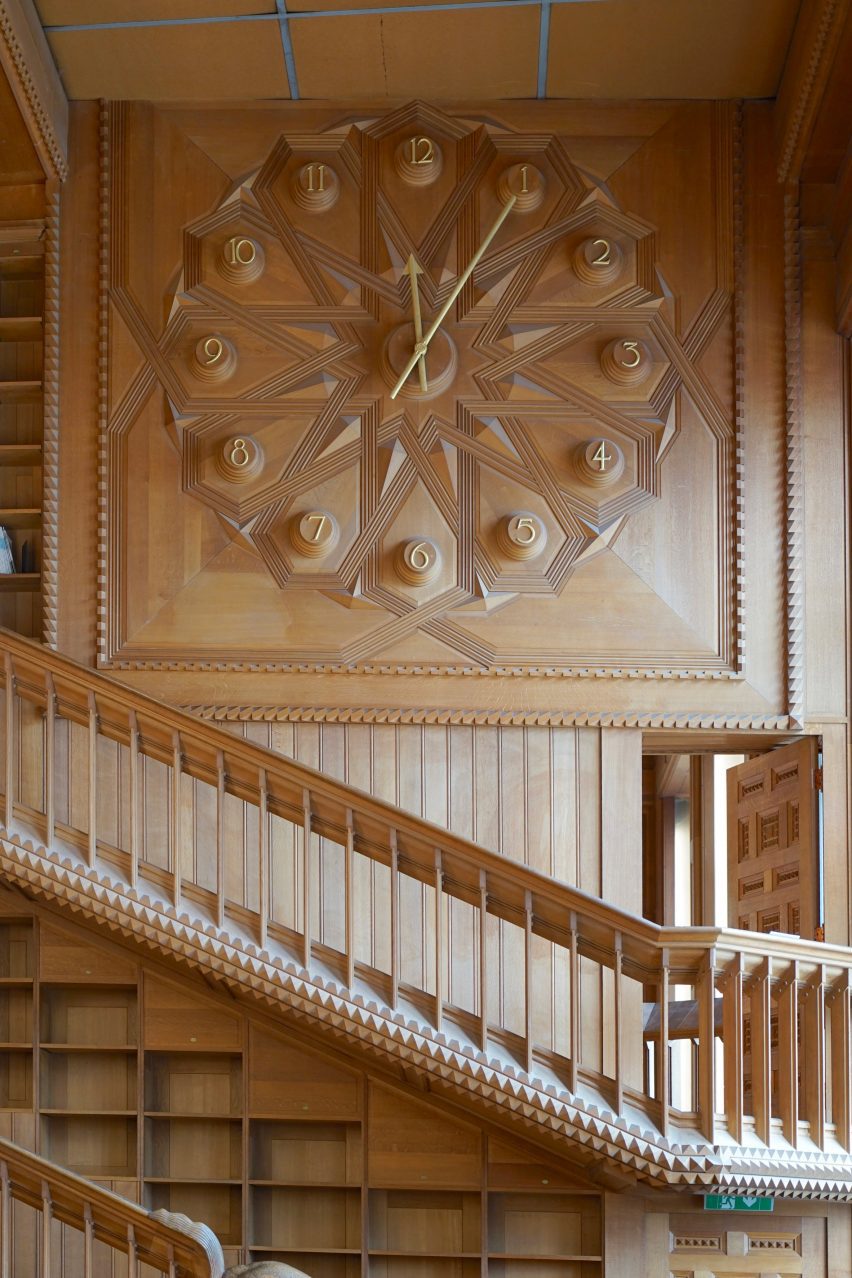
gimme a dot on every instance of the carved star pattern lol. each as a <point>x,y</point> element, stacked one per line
<point>529,391</point>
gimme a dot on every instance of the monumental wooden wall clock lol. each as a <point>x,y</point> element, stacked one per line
<point>421,392</point>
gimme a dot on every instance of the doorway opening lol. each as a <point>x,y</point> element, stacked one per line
<point>734,840</point>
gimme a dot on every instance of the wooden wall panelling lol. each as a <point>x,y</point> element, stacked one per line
<point>79,391</point>
<point>825,472</point>
<point>537,795</point>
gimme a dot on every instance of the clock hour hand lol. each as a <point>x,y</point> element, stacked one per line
<point>421,347</point>
<point>413,270</point>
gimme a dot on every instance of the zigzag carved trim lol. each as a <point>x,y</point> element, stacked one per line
<point>794,471</point>
<point>500,718</point>
<point>103,609</point>
<point>16,62</point>
<point>496,1086</point>
<point>738,602</point>
<point>826,33</point>
<point>50,445</point>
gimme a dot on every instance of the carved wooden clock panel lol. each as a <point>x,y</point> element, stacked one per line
<point>422,391</point>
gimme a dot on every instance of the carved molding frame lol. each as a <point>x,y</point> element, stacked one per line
<point>378,1031</point>
<point>730,196</point>
<point>28,63</point>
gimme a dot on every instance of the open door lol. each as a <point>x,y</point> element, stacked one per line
<point>773,841</point>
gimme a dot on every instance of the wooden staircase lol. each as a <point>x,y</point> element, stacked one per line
<point>100,1224</point>
<point>681,1057</point>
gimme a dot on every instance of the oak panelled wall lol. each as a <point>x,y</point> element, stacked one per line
<point>532,794</point>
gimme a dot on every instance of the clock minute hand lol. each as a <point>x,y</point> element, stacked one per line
<point>422,346</point>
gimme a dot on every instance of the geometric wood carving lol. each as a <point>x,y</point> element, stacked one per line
<point>583,380</point>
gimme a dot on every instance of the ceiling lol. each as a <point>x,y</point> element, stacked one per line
<point>443,50</point>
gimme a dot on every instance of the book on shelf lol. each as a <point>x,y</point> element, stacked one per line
<point>7,557</point>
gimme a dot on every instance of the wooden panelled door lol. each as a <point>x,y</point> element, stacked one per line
<point>773,835</point>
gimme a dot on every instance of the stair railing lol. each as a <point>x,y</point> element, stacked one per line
<point>178,1249</point>
<point>721,1033</point>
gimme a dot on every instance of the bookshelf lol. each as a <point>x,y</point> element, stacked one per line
<point>174,1098</point>
<point>22,419</point>
<point>193,1137</point>
<point>87,1085</point>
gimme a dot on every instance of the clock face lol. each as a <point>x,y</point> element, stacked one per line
<point>421,368</point>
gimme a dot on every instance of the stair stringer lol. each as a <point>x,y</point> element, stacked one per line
<point>496,1088</point>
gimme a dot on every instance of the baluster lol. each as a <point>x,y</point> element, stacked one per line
<point>439,939</point>
<point>177,866</point>
<point>528,983</point>
<point>132,1253</point>
<point>220,838</point>
<point>841,1060</point>
<point>394,904</point>
<point>11,744</point>
<point>93,779</point>
<point>483,960</point>
<point>707,1046</point>
<point>5,1223</point>
<point>618,1019</point>
<point>788,1055</point>
<point>88,1241</point>
<point>46,1220</point>
<point>49,759</point>
<point>264,869</point>
<point>663,1082</point>
<point>574,1028</point>
<point>306,877</point>
<point>173,1269</point>
<point>813,1045</point>
<point>349,875</point>
<point>135,830</point>
<point>732,1031</point>
<point>761,1050</point>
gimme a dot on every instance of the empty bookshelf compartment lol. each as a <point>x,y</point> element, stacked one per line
<point>532,1268</point>
<point>313,1263</point>
<point>186,1149</point>
<point>92,1146</point>
<point>88,1082</point>
<point>193,1083</point>
<point>312,1219</point>
<point>16,1080</point>
<point>425,1222</point>
<point>422,1267</point>
<point>89,1015</point>
<point>16,1015</point>
<point>16,951</point>
<point>562,1227</point>
<point>219,1206</point>
<point>306,1153</point>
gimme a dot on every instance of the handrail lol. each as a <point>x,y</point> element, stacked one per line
<point>777,999</point>
<point>173,1248</point>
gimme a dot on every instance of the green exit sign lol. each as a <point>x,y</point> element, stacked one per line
<point>736,1202</point>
